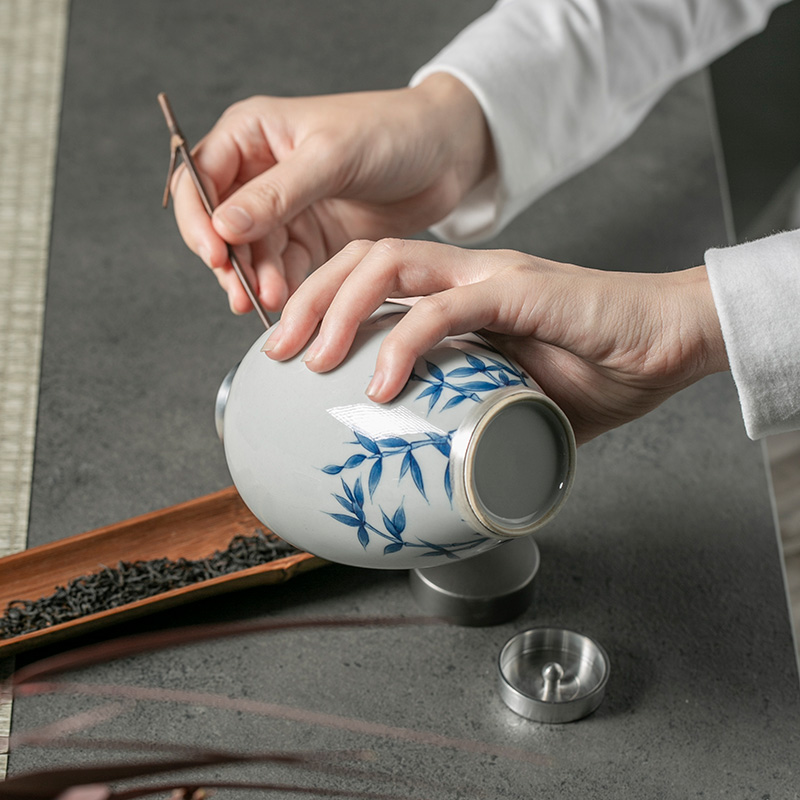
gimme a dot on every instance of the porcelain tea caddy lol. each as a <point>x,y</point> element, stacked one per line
<point>470,454</point>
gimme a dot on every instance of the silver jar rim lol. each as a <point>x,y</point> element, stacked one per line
<point>465,444</point>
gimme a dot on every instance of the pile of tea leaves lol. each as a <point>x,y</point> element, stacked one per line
<point>128,582</point>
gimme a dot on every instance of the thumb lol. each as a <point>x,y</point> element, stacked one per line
<point>275,196</point>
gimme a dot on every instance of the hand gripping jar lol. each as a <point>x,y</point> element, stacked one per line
<point>469,454</point>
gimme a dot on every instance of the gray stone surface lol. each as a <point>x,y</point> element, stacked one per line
<point>666,552</point>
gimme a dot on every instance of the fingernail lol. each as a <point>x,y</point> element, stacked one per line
<point>236,219</point>
<point>272,340</point>
<point>312,354</point>
<point>375,385</point>
<point>230,303</point>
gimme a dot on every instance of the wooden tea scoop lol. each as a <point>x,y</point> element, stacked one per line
<point>177,145</point>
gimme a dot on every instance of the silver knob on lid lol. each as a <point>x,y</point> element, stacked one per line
<point>552,675</point>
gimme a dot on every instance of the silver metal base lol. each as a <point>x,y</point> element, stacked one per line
<point>488,589</point>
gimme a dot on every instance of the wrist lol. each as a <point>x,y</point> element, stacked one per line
<point>699,332</point>
<point>456,122</point>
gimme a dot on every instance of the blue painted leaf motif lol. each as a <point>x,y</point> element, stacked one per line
<point>391,528</point>
<point>434,392</point>
<point>441,443</point>
<point>406,464</point>
<point>462,372</point>
<point>434,370</point>
<point>358,492</point>
<point>352,498</point>
<point>509,369</point>
<point>437,550</point>
<point>345,503</point>
<point>399,520</point>
<point>410,463</point>
<point>348,491</point>
<point>332,469</point>
<point>504,365</point>
<point>416,474</point>
<point>392,442</point>
<point>351,522</point>
<point>375,476</point>
<point>367,443</point>
<point>435,395</point>
<point>497,373</point>
<point>478,386</point>
<point>454,401</point>
<point>363,536</point>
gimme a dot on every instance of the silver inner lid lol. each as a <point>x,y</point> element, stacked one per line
<point>552,675</point>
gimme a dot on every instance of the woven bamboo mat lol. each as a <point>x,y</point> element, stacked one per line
<point>32,39</point>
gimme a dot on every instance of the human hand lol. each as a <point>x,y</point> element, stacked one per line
<point>607,347</point>
<point>294,179</point>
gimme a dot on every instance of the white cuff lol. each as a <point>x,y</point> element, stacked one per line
<point>756,289</point>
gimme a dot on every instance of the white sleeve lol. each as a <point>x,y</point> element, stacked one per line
<point>756,289</point>
<point>562,82</point>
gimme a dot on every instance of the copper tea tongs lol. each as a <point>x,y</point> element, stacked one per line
<point>177,144</point>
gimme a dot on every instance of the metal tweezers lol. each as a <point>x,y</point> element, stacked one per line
<point>177,144</point>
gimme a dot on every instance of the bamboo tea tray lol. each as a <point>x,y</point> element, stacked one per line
<point>191,530</point>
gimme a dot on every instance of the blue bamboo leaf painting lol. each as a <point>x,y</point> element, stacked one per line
<point>462,372</point>
<point>416,474</point>
<point>358,494</point>
<point>375,474</point>
<point>441,443</point>
<point>374,457</point>
<point>394,527</point>
<point>399,519</point>
<point>391,442</point>
<point>379,451</point>
<point>478,386</point>
<point>456,400</point>
<point>363,537</point>
<point>410,464</point>
<point>482,376</point>
<point>345,520</point>
<point>345,503</point>
<point>353,501</point>
<point>367,443</point>
<point>396,524</point>
<point>434,370</point>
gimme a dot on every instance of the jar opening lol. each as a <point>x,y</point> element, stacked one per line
<point>520,466</point>
<point>518,463</point>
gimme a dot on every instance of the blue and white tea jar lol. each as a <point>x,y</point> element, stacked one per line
<point>469,454</point>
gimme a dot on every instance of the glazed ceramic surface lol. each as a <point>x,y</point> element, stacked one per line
<point>469,454</point>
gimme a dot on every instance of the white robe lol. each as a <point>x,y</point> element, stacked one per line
<point>562,82</point>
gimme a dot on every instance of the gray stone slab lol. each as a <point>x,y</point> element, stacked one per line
<point>666,552</point>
